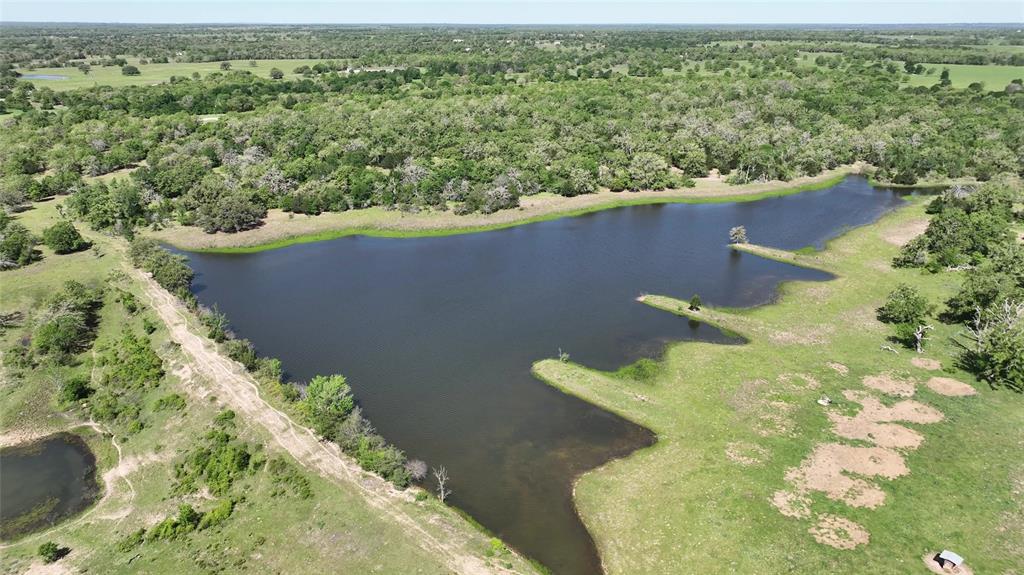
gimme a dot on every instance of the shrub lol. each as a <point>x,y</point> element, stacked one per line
<point>287,478</point>
<point>132,363</point>
<point>172,402</point>
<point>74,389</point>
<point>63,238</point>
<point>50,552</point>
<point>642,370</point>
<point>17,246</point>
<point>905,305</point>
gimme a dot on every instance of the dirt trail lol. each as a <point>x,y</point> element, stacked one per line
<point>446,540</point>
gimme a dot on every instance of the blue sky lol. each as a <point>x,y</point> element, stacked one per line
<point>521,12</point>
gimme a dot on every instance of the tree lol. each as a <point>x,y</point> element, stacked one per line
<point>225,65</point>
<point>17,246</point>
<point>85,68</point>
<point>695,303</point>
<point>276,73</point>
<point>738,235</point>
<point>905,305</point>
<point>993,345</point>
<point>328,402</point>
<point>63,238</point>
<point>130,70</point>
<point>441,477</point>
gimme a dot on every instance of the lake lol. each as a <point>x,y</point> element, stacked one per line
<point>437,335</point>
<point>43,482</point>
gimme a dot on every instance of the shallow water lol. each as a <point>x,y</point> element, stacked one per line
<point>45,481</point>
<point>43,77</point>
<point>437,335</point>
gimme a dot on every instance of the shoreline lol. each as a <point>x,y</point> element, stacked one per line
<point>282,230</point>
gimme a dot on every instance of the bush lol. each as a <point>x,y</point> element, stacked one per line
<point>219,462</point>
<point>50,552</point>
<point>642,370</point>
<point>74,389</point>
<point>172,402</point>
<point>287,478</point>
<point>68,323</point>
<point>905,305</point>
<point>63,238</point>
<point>17,246</point>
<point>132,363</point>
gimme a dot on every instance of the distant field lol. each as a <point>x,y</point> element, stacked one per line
<point>152,73</point>
<point>962,75</point>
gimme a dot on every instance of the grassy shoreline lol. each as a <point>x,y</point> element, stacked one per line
<point>187,241</point>
<point>711,401</point>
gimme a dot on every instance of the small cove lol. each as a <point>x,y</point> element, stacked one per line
<point>437,334</point>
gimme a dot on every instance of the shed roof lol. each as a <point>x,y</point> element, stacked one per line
<point>953,558</point>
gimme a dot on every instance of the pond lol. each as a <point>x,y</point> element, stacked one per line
<point>43,77</point>
<point>44,482</point>
<point>437,335</point>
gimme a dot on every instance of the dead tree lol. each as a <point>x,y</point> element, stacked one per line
<point>920,337</point>
<point>441,476</point>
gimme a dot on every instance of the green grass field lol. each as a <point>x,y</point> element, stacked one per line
<point>962,75</point>
<point>153,73</point>
<point>685,504</point>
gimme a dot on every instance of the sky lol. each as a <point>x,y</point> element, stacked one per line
<point>521,12</point>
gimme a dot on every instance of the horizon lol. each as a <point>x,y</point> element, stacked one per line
<point>526,13</point>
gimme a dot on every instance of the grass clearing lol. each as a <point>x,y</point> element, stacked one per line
<point>153,73</point>
<point>962,75</point>
<point>734,421</point>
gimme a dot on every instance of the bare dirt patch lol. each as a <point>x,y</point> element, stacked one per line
<point>901,235</point>
<point>838,368</point>
<point>925,363</point>
<point>826,469</point>
<point>746,453</point>
<point>839,532</point>
<point>874,421</point>
<point>934,567</point>
<point>890,384</point>
<point>792,504</point>
<point>950,387</point>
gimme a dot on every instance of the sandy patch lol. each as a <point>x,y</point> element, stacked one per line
<point>926,363</point>
<point>838,368</point>
<point>838,532</point>
<point>58,568</point>
<point>890,384</point>
<point>950,387</point>
<point>902,234</point>
<point>792,504</point>
<point>934,567</point>
<point>826,469</point>
<point>873,422</point>
<point>746,453</point>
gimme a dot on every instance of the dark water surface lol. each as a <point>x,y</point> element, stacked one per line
<point>45,481</point>
<point>437,335</point>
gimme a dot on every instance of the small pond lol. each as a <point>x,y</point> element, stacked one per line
<point>437,335</point>
<point>43,482</point>
<point>43,77</point>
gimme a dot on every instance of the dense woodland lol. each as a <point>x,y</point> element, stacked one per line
<point>472,120</point>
